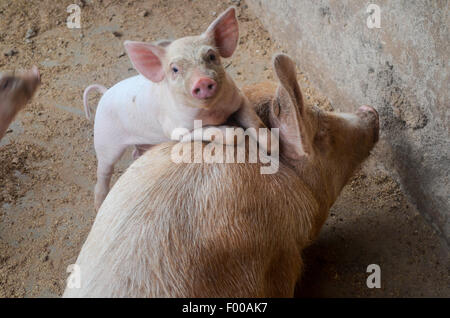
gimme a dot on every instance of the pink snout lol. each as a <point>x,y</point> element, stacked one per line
<point>204,88</point>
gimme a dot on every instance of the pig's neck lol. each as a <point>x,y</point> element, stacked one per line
<point>315,174</point>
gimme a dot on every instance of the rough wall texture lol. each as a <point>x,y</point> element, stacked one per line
<point>401,69</point>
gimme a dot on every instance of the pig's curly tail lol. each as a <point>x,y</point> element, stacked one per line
<point>102,89</point>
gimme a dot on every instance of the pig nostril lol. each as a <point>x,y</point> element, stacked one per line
<point>204,88</point>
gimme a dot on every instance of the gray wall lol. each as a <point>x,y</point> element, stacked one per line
<point>401,69</point>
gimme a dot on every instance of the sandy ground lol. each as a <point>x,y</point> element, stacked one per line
<point>47,160</point>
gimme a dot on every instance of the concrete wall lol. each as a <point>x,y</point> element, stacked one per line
<point>401,69</point>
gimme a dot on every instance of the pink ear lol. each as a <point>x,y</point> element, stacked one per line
<point>146,59</point>
<point>225,32</point>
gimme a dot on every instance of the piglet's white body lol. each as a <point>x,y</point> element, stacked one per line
<point>138,111</point>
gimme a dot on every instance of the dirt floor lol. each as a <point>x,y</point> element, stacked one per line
<point>47,159</point>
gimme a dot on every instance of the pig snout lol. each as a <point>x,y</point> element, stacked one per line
<point>370,115</point>
<point>15,92</point>
<point>18,89</point>
<point>204,88</point>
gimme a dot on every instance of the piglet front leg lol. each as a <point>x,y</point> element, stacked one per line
<point>245,117</point>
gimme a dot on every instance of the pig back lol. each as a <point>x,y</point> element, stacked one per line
<point>197,230</point>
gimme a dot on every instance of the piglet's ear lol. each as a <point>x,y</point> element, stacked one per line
<point>146,59</point>
<point>224,31</point>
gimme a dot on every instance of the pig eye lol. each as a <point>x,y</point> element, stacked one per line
<point>210,56</point>
<point>174,69</point>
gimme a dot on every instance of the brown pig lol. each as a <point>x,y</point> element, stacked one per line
<point>225,230</point>
<point>15,92</point>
